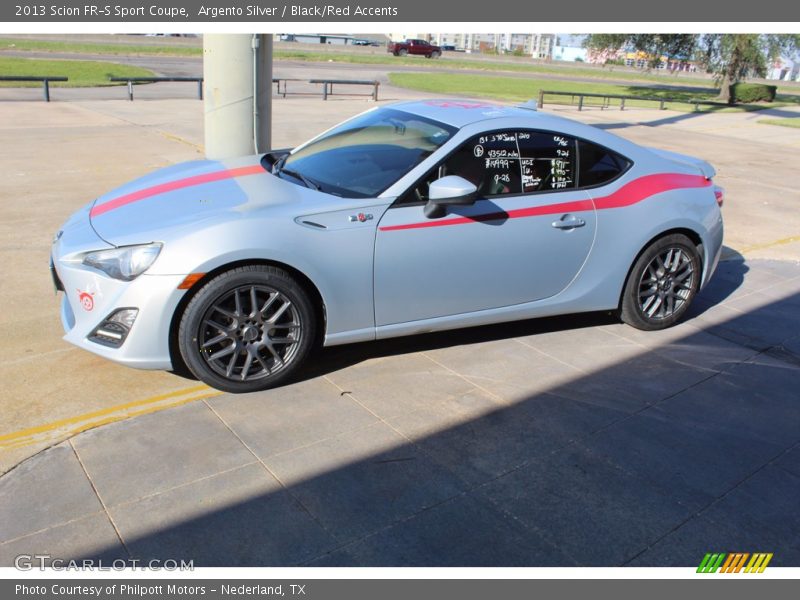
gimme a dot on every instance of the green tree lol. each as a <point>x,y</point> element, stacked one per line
<point>734,57</point>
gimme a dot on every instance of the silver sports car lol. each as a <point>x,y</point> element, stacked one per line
<point>408,218</point>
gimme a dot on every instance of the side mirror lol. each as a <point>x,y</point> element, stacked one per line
<point>451,190</point>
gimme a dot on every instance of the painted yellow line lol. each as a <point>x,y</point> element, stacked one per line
<point>64,434</point>
<point>781,242</point>
<point>120,408</point>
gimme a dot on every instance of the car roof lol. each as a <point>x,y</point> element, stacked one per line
<point>459,112</point>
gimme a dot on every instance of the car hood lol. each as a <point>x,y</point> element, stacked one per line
<point>705,168</point>
<point>186,196</point>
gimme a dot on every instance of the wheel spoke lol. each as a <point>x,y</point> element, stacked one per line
<point>668,260</point>
<point>685,273</point>
<point>648,292</point>
<point>217,326</point>
<point>275,354</point>
<point>272,297</point>
<point>246,368</point>
<point>224,352</point>
<point>224,312</point>
<point>261,361</point>
<point>215,340</point>
<point>279,313</point>
<point>253,302</point>
<point>647,304</point>
<point>654,306</point>
<point>282,340</point>
<point>238,302</point>
<point>231,365</point>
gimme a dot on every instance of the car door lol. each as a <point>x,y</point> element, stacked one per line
<point>524,239</point>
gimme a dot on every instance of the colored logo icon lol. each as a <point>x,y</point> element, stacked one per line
<point>734,562</point>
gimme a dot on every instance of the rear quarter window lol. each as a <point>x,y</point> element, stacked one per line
<point>599,165</point>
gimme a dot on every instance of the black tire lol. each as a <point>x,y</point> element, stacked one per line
<point>434,54</point>
<point>402,52</point>
<point>247,329</point>
<point>661,284</point>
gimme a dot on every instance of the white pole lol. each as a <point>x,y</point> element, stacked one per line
<point>229,93</point>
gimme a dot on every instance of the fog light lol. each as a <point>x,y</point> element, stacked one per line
<point>126,317</point>
<point>113,331</point>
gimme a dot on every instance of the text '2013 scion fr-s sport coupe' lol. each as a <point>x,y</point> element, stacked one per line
<point>408,218</point>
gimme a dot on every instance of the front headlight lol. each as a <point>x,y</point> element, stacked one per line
<point>125,263</point>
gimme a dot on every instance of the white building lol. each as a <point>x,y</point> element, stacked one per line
<point>535,45</point>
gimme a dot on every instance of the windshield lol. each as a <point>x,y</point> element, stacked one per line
<point>364,156</point>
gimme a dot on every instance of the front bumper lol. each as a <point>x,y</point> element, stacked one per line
<point>90,298</point>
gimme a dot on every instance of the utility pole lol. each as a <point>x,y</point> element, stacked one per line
<point>237,72</point>
<point>263,121</point>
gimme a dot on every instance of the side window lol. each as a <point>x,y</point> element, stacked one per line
<point>490,161</point>
<point>507,162</point>
<point>599,165</point>
<point>548,161</point>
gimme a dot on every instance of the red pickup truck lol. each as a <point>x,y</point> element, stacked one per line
<point>421,47</point>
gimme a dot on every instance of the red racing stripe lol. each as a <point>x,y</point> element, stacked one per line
<point>174,185</point>
<point>631,193</point>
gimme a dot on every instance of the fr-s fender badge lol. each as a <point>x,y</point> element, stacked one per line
<point>360,218</point>
<point>86,299</point>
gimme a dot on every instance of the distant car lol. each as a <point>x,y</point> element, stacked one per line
<point>448,48</point>
<point>414,47</point>
<point>409,218</point>
<point>361,42</point>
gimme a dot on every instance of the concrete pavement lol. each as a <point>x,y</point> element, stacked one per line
<point>568,441</point>
<point>530,443</point>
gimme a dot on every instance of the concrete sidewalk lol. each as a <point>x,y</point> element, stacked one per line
<point>568,441</point>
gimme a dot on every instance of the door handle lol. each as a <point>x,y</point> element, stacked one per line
<point>568,222</point>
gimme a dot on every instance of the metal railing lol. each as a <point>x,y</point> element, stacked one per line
<point>131,80</point>
<point>327,86</point>
<point>662,102</point>
<point>45,81</point>
<point>282,90</point>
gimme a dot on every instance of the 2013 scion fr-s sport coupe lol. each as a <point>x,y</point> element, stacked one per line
<point>408,218</point>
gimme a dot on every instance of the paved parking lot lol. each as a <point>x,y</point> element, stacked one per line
<point>565,441</point>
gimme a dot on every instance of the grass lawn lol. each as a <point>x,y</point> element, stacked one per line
<point>517,89</point>
<point>379,57</point>
<point>383,58</point>
<point>81,73</point>
<point>7,43</point>
<point>790,122</point>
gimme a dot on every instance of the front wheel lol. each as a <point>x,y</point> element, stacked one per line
<point>402,52</point>
<point>662,284</point>
<point>248,329</point>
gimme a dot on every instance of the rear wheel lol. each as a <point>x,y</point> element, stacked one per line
<point>662,284</point>
<point>435,54</point>
<point>247,329</point>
